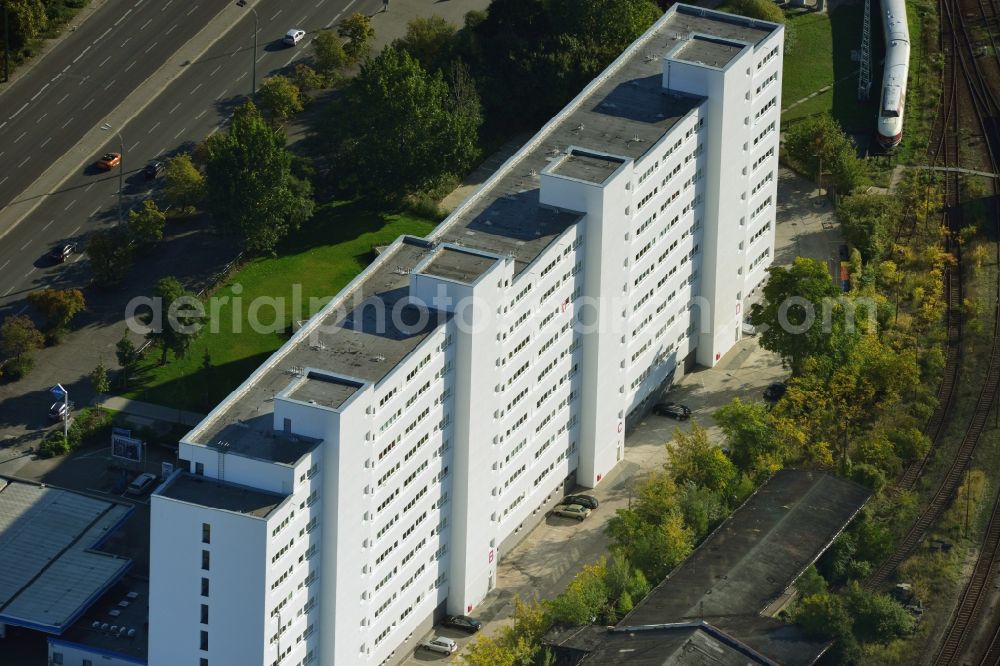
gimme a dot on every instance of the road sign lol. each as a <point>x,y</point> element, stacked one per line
<point>58,391</point>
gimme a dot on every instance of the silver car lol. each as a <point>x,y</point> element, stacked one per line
<point>439,644</point>
<point>571,511</point>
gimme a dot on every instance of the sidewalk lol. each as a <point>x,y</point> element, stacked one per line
<point>152,412</point>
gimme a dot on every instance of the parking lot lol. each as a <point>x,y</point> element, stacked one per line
<point>544,563</point>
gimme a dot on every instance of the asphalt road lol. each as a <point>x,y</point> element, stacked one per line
<point>92,70</point>
<point>194,105</point>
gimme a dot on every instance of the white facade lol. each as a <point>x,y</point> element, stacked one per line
<point>401,460</point>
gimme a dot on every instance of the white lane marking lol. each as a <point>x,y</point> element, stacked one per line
<point>241,76</point>
<point>21,311</point>
<point>39,119</point>
<point>20,137</point>
<point>132,147</point>
<point>4,265</point>
<point>215,129</point>
<point>170,29</point>
<point>105,61</point>
<point>234,53</point>
<point>203,112</point>
<point>166,5</point>
<point>178,135</point>
<point>153,127</point>
<point>214,71</point>
<point>110,84</point>
<point>195,89</point>
<point>276,14</point>
<point>47,139</point>
<point>89,102</point>
<point>4,180</point>
<point>87,189</point>
<point>123,16</point>
<point>145,24</point>
<point>24,161</point>
<point>122,45</point>
<point>102,36</point>
<point>302,20</point>
<point>3,124</point>
<point>39,92</point>
<point>81,54</point>
<point>289,61</point>
<point>9,289</point>
<point>70,204</point>
<point>65,68</point>
<point>219,96</point>
<point>68,121</point>
<point>78,257</point>
<point>150,48</point>
<point>29,272</point>
<point>73,233</point>
<point>63,98</point>
<point>96,211</point>
<point>320,2</point>
<point>25,246</point>
<point>130,65</point>
<point>261,57</point>
<point>176,106</point>
<point>47,225</point>
<point>191,11</point>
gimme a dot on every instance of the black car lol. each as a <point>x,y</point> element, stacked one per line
<point>582,500</point>
<point>60,253</point>
<point>774,391</point>
<point>153,169</point>
<point>462,623</point>
<point>673,410</point>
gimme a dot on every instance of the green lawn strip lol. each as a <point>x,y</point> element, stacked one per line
<point>322,258</point>
<point>818,54</point>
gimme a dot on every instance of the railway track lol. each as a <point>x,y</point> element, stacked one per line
<point>961,69</point>
<point>966,617</point>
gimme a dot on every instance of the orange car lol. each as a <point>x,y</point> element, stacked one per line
<point>109,161</point>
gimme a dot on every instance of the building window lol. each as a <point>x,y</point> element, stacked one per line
<point>203,662</point>
<point>204,613</point>
<point>203,644</point>
<point>206,533</point>
<point>204,560</point>
<point>57,658</point>
<point>88,662</point>
<point>204,587</point>
<point>199,469</point>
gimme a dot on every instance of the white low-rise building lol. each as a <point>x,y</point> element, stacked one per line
<point>370,474</point>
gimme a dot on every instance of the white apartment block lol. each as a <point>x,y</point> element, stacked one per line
<point>371,473</point>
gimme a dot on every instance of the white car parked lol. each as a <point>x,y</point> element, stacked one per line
<point>439,644</point>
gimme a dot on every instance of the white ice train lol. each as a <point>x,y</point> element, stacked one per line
<point>897,65</point>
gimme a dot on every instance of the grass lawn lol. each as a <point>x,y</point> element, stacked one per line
<point>817,54</point>
<point>328,252</point>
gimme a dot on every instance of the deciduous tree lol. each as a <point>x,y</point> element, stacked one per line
<point>429,40</point>
<point>128,358</point>
<point>99,381</point>
<point>250,191</point>
<point>359,32</point>
<point>146,224</point>
<point>819,139</point>
<point>328,49</point>
<point>280,96</point>
<point>185,185</point>
<point>58,306</point>
<point>753,441</point>
<point>19,339</point>
<point>174,321</point>
<point>399,129</point>
<point>693,459</point>
<point>110,254</point>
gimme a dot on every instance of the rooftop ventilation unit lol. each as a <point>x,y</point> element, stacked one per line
<point>378,358</point>
<point>132,595</point>
<point>131,633</point>
<point>114,612</point>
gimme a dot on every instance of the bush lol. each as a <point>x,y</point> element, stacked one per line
<point>55,444</point>
<point>425,205</point>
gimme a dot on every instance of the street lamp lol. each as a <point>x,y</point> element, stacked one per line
<point>253,55</point>
<point>6,44</point>
<point>106,127</point>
